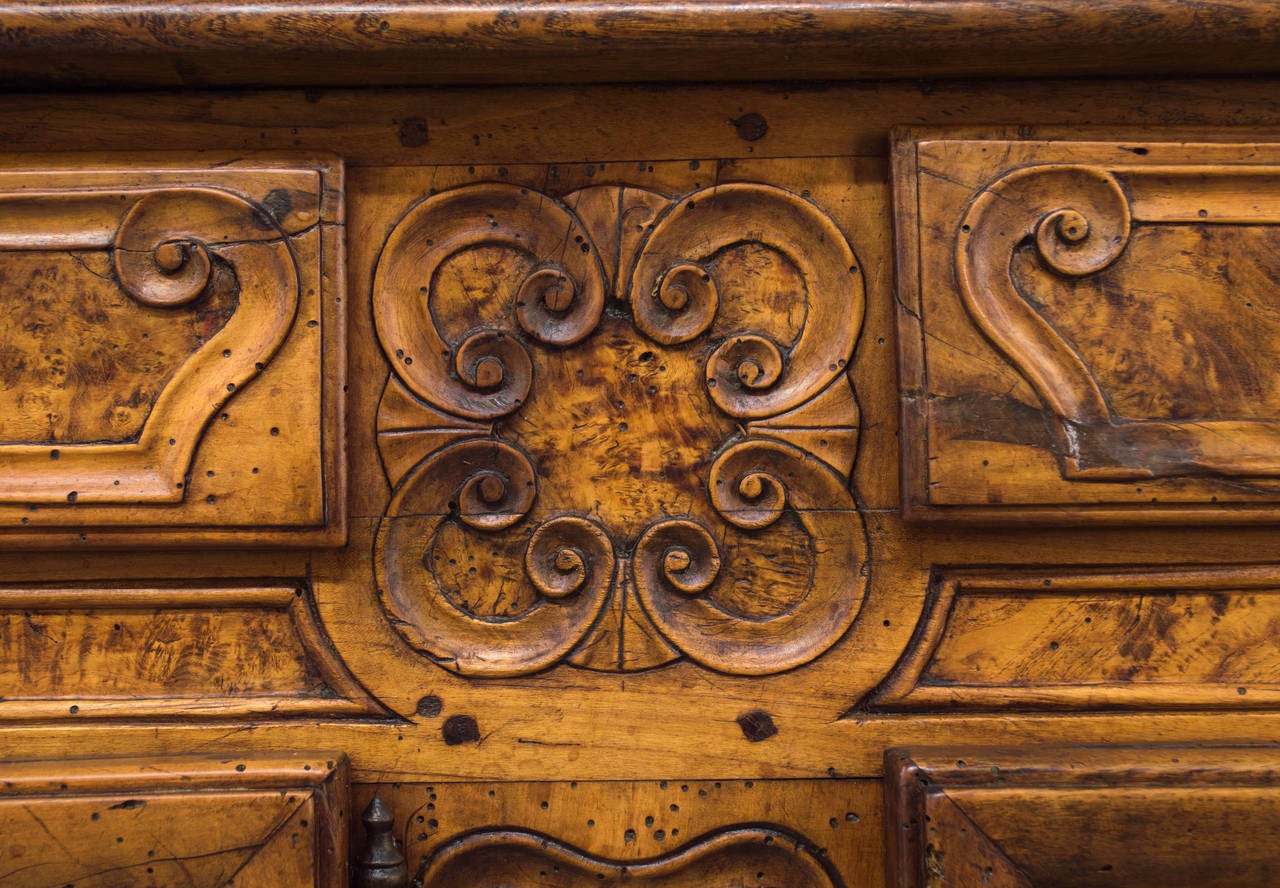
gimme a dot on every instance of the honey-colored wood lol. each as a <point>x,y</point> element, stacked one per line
<point>271,821</point>
<point>394,43</point>
<point>602,645</point>
<point>677,833</point>
<point>157,311</point>
<point>1092,329</point>
<point>1058,816</point>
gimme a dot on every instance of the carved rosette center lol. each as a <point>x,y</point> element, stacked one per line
<point>578,541</point>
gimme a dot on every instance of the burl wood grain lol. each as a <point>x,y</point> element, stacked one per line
<point>1092,639</point>
<point>1083,817</point>
<point>154,317</point>
<point>670,833</point>
<point>682,722</point>
<point>1094,330</point>
<point>228,650</point>
<point>619,429</point>
<point>178,822</point>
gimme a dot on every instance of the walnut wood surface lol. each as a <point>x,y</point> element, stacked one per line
<point>214,43</point>
<point>592,714</point>
<point>183,821</point>
<point>1059,816</point>
<point>156,314</point>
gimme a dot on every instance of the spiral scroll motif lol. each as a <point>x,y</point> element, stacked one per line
<point>567,555</point>
<point>559,303</point>
<point>1083,237</point>
<point>488,485</point>
<point>558,570</point>
<point>749,376</point>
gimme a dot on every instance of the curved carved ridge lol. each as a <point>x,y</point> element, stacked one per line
<point>764,854</point>
<point>751,483</point>
<point>487,373</point>
<point>567,575</point>
<point>1080,221</point>
<point>163,249</point>
<point>749,375</point>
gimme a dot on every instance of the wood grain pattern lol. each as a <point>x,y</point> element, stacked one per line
<point>1039,639</point>
<point>165,44</point>
<point>144,301</point>
<point>1123,287</point>
<point>169,649</point>
<point>697,370</point>
<point>1076,816</point>
<point>270,821</point>
<point>674,832</point>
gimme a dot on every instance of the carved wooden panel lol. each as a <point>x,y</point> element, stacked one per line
<point>225,650</point>
<point>258,821</point>
<point>1093,639</point>
<point>1081,817</point>
<point>158,318</point>
<point>676,834</point>
<point>619,428</point>
<point>1089,329</point>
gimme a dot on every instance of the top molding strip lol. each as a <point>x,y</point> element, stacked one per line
<point>361,42</point>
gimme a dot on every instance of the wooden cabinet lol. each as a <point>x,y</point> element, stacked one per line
<point>606,432</point>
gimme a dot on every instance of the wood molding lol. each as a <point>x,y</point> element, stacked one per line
<point>1091,640</point>
<point>156,312</point>
<point>170,650</point>
<point>227,44</point>
<point>1117,373</point>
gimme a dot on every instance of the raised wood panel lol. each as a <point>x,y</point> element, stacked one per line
<point>786,833</point>
<point>1093,640</point>
<point>229,650</point>
<point>1059,816</point>
<point>623,432</point>
<point>157,315</point>
<point>176,822</point>
<point>1088,328</point>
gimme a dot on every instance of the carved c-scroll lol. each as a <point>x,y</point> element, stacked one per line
<point>488,373</point>
<point>511,590</point>
<point>675,299</point>
<point>1080,220</point>
<point>751,484</point>
<point>164,242</point>
<point>488,485</point>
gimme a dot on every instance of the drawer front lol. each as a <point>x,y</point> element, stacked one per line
<point>172,351</point>
<point>259,821</point>
<point>1089,329</point>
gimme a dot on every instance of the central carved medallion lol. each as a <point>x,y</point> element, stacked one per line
<point>620,429</point>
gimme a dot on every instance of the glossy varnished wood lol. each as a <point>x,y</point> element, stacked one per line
<point>214,43</point>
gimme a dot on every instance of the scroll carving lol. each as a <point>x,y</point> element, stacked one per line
<point>197,256</point>
<point>738,855</point>
<point>1125,292</point>
<point>610,412</point>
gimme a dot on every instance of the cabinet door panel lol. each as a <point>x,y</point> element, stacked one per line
<point>1089,329</point>
<point>157,317</point>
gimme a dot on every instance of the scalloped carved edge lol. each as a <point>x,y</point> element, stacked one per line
<point>804,863</point>
<point>346,698</point>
